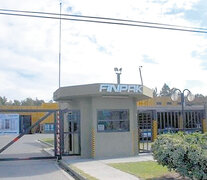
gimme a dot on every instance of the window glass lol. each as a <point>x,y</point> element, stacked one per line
<point>7,124</point>
<point>113,120</point>
<point>49,127</point>
<point>158,103</point>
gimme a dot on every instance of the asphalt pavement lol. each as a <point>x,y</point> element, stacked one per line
<point>28,146</point>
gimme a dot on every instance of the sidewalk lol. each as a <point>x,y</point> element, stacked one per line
<point>100,169</point>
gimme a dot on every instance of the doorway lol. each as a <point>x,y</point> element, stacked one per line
<point>145,131</point>
<point>71,139</point>
<point>25,123</point>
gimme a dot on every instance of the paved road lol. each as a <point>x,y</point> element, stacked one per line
<point>31,169</point>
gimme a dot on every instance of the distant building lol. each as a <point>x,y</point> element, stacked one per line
<point>26,119</point>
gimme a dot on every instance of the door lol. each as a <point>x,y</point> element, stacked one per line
<point>71,139</point>
<point>25,123</point>
<point>145,131</point>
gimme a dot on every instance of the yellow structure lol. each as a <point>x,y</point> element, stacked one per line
<point>154,130</point>
<point>35,116</point>
<point>158,101</point>
<point>204,125</point>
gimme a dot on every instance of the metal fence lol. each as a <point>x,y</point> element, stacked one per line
<point>168,121</point>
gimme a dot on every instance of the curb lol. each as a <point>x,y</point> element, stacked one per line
<point>65,166</point>
<point>48,144</point>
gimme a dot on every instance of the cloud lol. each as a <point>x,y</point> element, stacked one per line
<point>147,59</point>
<point>29,47</point>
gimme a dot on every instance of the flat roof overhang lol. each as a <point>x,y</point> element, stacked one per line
<point>103,90</point>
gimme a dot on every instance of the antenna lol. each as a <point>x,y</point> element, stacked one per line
<point>140,73</point>
<point>60,42</point>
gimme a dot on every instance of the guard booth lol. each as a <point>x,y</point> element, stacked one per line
<point>100,120</point>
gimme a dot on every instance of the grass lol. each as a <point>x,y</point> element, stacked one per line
<point>144,170</point>
<point>48,140</point>
<point>82,173</point>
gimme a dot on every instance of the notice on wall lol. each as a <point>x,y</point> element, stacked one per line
<point>9,123</point>
<point>100,127</point>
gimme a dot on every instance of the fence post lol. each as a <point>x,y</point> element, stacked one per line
<point>180,122</point>
<point>58,136</point>
<point>204,120</point>
<point>154,126</point>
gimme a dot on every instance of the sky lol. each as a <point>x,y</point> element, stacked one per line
<point>29,47</point>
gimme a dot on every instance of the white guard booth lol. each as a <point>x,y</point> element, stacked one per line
<point>102,121</point>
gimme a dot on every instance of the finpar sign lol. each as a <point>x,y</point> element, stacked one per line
<point>120,88</point>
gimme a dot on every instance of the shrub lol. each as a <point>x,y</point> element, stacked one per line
<point>186,154</point>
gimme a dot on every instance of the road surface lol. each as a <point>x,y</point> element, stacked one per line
<point>28,146</point>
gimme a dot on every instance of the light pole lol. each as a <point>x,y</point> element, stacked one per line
<point>140,73</point>
<point>175,96</point>
<point>60,30</point>
<point>118,73</point>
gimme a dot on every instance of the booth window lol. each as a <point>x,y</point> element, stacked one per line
<point>113,120</point>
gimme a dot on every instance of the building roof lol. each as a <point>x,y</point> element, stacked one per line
<point>103,89</point>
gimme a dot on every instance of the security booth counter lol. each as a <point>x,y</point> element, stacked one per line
<point>101,120</point>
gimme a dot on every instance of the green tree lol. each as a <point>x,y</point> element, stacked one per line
<point>38,102</point>
<point>199,95</point>
<point>31,102</point>
<point>165,91</point>
<point>155,94</point>
<point>3,100</point>
<point>27,102</point>
<point>9,103</point>
<point>16,103</point>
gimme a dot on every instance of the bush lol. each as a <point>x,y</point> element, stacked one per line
<point>186,154</point>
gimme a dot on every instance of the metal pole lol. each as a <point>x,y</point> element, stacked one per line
<point>183,103</point>
<point>118,78</point>
<point>140,74</point>
<point>60,43</point>
<point>55,134</point>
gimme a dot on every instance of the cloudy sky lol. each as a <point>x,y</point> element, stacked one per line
<point>90,51</point>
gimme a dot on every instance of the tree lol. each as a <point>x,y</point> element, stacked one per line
<point>9,103</point>
<point>26,102</point>
<point>31,102</point>
<point>166,91</point>
<point>16,103</point>
<point>155,94</point>
<point>38,102</point>
<point>3,100</point>
<point>199,95</point>
<point>51,101</point>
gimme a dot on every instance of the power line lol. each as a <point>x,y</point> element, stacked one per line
<point>108,22</point>
<point>104,18</point>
